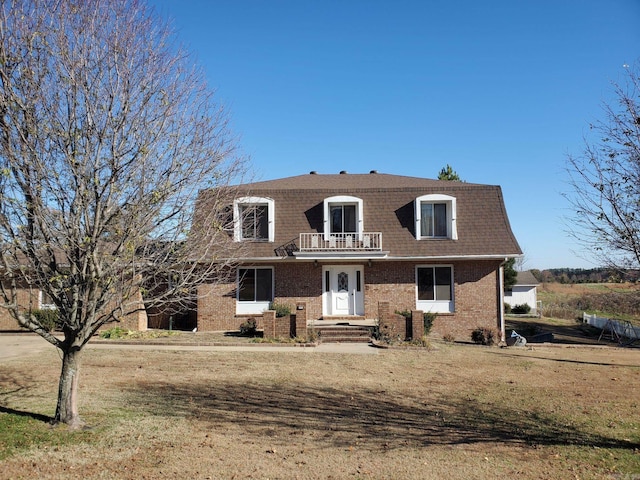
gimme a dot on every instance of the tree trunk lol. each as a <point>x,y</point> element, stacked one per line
<point>67,408</point>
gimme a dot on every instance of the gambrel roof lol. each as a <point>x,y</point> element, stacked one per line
<point>483,229</point>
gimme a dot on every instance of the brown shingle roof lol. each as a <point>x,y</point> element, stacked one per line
<point>483,226</point>
<point>526,278</point>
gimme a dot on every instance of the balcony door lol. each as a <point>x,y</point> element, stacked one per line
<point>343,290</point>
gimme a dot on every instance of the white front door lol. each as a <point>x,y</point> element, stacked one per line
<point>343,290</point>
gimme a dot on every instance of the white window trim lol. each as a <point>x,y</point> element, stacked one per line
<point>237,218</point>
<point>437,306</point>
<point>252,307</point>
<point>341,200</point>
<point>452,228</point>
<point>45,306</point>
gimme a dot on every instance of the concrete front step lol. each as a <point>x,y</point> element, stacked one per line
<point>343,334</point>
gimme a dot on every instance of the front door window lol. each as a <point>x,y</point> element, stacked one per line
<point>343,282</point>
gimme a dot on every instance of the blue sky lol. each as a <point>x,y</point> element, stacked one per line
<point>501,90</point>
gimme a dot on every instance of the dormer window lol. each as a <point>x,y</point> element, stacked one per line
<point>435,216</point>
<point>255,222</point>
<point>343,215</point>
<point>343,218</point>
<point>253,219</point>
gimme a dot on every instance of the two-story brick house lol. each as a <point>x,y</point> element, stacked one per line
<point>343,243</point>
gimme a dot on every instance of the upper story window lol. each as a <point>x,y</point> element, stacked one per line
<point>435,216</point>
<point>343,218</point>
<point>253,219</point>
<point>342,215</point>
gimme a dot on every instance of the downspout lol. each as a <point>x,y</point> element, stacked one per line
<point>501,300</point>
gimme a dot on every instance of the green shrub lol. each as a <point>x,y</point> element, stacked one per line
<point>48,318</point>
<point>428,319</point>
<point>521,309</point>
<point>114,332</point>
<point>281,309</point>
<point>483,336</point>
<point>507,308</point>
<point>249,327</point>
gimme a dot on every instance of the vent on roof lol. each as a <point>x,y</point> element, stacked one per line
<point>313,172</point>
<point>373,171</point>
<point>343,172</point>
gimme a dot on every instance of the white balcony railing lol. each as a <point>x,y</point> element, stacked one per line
<point>341,242</point>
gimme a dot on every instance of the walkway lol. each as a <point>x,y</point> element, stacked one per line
<point>21,344</point>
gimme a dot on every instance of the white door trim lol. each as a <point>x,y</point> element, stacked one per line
<point>347,302</point>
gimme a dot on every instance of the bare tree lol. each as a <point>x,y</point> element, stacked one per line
<point>605,181</point>
<point>107,134</point>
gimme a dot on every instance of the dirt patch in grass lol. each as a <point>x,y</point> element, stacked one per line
<point>457,412</point>
<point>568,332</point>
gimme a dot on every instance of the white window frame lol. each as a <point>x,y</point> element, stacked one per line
<point>238,203</point>
<point>45,306</point>
<point>254,307</point>
<point>436,306</point>
<point>450,202</point>
<point>343,200</point>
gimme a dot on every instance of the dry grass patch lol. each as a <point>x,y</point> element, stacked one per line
<point>615,300</point>
<point>458,412</point>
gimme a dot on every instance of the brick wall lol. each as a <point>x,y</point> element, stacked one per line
<point>475,294</point>
<point>417,324</point>
<point>217,308</point>
<point>29,298</point>
<point>278,327</point>
<point>299,282</point>
<point>392,326</point>
<point>397,326</point>
<point>301,320</point>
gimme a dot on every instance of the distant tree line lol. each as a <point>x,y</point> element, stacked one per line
<point>586,275</point>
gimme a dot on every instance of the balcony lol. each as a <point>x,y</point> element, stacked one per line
<point>341,242</point>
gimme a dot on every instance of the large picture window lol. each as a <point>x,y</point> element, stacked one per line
<point>255,289</point>
<point>255,284</point>
<point>434,288</point>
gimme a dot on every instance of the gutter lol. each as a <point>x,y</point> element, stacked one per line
<point>382,256</point>
<point>501,299</point>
